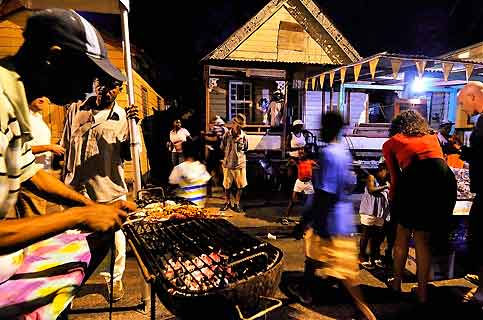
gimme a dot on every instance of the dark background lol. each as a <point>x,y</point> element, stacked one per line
<point>178,34</point>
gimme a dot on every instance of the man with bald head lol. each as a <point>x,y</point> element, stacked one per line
<point>470,101</point>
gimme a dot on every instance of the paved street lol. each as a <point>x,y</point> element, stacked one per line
<point>333,303</point>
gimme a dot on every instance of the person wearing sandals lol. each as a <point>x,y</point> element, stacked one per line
<point>419,178</point>
<point>374,212</point>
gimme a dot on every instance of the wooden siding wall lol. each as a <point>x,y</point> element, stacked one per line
<point>262,45</point>
<point>10,40</point>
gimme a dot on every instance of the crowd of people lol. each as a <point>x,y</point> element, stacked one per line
<point>45,258</point>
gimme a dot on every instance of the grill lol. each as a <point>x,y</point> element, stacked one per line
<point>206,268</point>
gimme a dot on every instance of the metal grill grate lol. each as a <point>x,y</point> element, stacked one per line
<point>199,255</point>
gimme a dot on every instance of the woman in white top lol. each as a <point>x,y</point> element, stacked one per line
<point>374,212</point>
<point>176,137</point>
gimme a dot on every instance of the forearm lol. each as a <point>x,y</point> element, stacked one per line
<point>52,188</point>
<point>18,234</point>
<point>40,149</point>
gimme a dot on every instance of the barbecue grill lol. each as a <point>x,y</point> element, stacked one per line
<point>206,268</point>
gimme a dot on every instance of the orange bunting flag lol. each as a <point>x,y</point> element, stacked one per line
<point>321,81</point>
<point>306,84</point>
<point>314,85</point>
<point>357,71</point>
<point>343,70</point>
<point>331,78</point>
<point>372,67</point>
<point>447,67</point>
<point>396,65</point>
<point>420,65</point>
<point>469,70</point>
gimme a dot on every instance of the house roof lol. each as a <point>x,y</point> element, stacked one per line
<point>309,16</point>
<point>465,53</point>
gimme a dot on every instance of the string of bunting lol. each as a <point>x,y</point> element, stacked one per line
<point>396,63</point>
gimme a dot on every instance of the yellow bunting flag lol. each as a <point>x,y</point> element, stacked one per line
<point>357,71</point>
<point>469,70</point>
<point>372,67</point>
<point>447,67</point>
<point>420,65</point>
<point>306,84</point>
<point>396,65</point>
<point>343,70</point>
<point>321,81</point>
<point>331,78</point>
<point>314,85</point>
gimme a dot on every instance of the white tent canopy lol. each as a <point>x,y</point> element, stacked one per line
<point>111,7</point>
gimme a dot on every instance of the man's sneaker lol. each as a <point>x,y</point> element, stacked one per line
<point>379,263</point>
<point>225,207</point>
<point>118,291</point>
<point>368,265</point>
<point>237,208</point>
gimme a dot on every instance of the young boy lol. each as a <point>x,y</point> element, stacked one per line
<point>374,212</point>
<point>191,176</point>
<point>303,184</point>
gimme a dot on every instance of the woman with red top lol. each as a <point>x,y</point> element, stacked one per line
<point>422,192</point>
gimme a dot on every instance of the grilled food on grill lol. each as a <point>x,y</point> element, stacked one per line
<point>169,210</point>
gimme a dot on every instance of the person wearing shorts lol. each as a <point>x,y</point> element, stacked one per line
<point>234,145</point>
<point>303,184</point>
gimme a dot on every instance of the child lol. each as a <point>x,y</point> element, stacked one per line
<point>303,184</point>
<point>190,176</point>
<point>374,211</point>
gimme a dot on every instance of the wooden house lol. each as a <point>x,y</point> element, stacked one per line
<point>13,17</point>
<point>276,49</point>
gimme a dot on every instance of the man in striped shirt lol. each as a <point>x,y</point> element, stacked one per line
<point>191,176</point>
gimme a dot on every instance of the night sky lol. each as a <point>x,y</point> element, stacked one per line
<point>178,34</point>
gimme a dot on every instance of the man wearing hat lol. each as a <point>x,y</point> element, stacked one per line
<point>43,265</point>
<point>234,145</point>
<point>444,136</point>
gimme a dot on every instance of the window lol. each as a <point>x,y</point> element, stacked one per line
<point>144,99</point>
<point>240,99</point>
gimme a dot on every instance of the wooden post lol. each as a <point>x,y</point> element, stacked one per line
<point>206,76</point>
<point>331,96</point>
<point>323,102</point>
<point>284,132</point>
<point>348,108</point>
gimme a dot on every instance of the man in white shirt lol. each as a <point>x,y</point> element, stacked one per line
<point>176,137</point>
<point>29,204</point>
<point>42,147</point>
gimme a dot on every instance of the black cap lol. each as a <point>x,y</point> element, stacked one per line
<point>67,28</point>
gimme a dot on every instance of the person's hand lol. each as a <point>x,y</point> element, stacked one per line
<point>133,113</point>
<point>56,149</point>
<point>124,205</point>
<point>102,217</point>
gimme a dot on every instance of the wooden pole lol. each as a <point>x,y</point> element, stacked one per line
<point>348,108</point>
<point>331,97</point>
<point>284,132</point>
<point>206,76</point>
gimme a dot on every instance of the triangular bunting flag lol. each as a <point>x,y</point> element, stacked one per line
<point>447,67</point>
<point>321,81</point>
<point>420,65</point>
<point>372,67</point>
<point>469,70</point>
<point>314,84</point>
<point>396,65</point>
<point>357,71</point>
<point>306,84</point>
<point>331,78</point>
<point>343,70</point>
